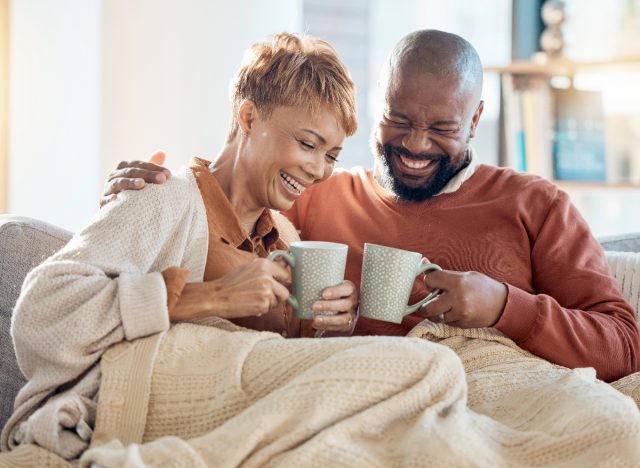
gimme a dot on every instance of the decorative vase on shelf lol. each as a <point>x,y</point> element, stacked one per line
<point>552,39</point>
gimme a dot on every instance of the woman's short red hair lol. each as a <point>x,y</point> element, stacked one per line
<point>294,70</point>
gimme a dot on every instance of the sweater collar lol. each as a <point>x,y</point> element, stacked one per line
<point>456,181</point>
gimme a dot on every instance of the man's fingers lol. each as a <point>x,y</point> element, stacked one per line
<point>439,305</point>
<point>158,158</point>
<point>118,185</point>
<point>154,177</point>
<point>445,280</point>
<point>107,199</point>
<point>145,165</point>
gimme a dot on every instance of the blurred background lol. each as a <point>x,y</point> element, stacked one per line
<point>85,84</point>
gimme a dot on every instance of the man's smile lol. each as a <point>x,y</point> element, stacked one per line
<point>414,168</point>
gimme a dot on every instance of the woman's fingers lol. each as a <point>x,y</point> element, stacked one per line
<point>338,323</point>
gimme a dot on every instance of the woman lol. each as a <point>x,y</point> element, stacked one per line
<point>187,250</point>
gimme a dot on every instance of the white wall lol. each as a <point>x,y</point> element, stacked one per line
<point>54,109</point>
<point>97,81</point>
<point>608,211</point>
<point>167,66</point>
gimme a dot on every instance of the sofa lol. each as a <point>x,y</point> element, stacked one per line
<point>26,242</point>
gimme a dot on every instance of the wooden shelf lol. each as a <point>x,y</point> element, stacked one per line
<point>559,67</point>
<point>530,108</point>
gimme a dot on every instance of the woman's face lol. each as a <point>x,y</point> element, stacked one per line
<point>288,151</point>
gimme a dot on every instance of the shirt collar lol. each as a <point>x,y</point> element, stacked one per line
<point>456,182</point>
<point>222,219</point>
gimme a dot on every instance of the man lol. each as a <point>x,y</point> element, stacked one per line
<point>517,255</point>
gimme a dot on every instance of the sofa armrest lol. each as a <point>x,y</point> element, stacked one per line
<point>625,268</point>
<point>24,244</point>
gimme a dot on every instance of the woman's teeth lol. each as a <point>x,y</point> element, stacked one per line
<point>292,183</point>
<point>413,164</point>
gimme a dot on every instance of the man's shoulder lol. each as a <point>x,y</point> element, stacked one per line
<point>507,180</point>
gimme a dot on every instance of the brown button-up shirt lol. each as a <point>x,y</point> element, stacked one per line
<point>229,245</point>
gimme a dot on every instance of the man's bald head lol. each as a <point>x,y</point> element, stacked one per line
<point>439,54</point>
<point>430,89</point>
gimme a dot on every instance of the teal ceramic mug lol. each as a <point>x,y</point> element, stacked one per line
<point>315,266</point>
<point>388,275</point>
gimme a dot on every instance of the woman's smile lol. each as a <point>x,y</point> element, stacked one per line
<point>292,186</point>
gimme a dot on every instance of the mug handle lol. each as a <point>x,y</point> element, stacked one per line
<point>423,268</point>
<point>291,261</point>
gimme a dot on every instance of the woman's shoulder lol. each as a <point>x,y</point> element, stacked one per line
<point>156,203</point>
<point>179,189</point>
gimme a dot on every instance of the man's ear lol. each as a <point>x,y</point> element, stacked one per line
<point>247,113</point>
<point>475,119</point>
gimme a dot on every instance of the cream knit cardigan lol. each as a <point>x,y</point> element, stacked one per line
<point>103,287</point>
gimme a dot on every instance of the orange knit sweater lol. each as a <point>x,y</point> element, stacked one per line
<point>562,304</point>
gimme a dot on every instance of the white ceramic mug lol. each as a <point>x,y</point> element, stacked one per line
<point>388,275</point>
<point>315,265</point>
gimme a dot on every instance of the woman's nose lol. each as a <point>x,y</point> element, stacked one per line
<point>315,166</point>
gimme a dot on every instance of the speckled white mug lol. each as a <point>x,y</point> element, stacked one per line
<point>388,275</point>
<point>315,265</point>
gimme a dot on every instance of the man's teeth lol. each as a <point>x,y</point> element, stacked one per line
<point>413,164</point>
<point>292,183</point>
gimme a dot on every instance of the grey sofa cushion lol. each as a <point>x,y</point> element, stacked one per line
<point>24,244</point>
<point>622,243</point>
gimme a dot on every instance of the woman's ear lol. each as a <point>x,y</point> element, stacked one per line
<point>247,113</point>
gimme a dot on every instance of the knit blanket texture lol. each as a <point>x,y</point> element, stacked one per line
<point>220,395</point>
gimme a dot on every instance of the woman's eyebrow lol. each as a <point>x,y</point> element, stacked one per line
<point>320,137</point>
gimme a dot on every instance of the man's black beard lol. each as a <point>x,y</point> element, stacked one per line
<point>446,171</point>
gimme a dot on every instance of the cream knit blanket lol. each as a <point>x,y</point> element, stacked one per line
<point>220,395</point>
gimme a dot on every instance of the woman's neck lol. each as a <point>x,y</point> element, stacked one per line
<point>233,179</point>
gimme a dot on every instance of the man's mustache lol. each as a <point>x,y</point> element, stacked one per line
<point>390,149</point>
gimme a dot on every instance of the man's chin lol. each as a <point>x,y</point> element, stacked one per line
<point>413,191</point>
<point>413,182</point>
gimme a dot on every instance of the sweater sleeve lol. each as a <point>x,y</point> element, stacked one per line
<point>103,287</point>
<point>576,316</point>
<point>175,279</point>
